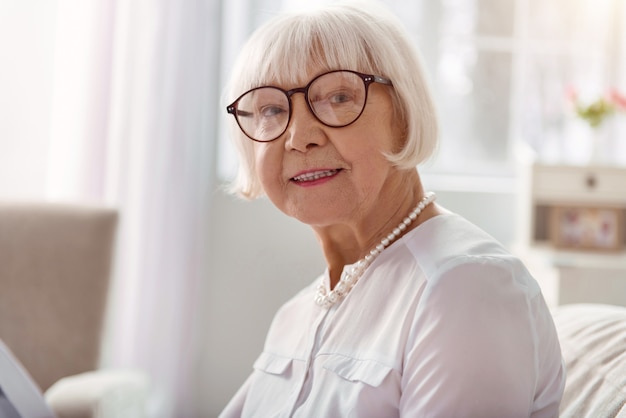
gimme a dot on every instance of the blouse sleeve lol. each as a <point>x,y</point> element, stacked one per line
<point>473,345</point>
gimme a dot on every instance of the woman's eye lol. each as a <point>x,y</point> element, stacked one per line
<point>341,97</point>
<point>270,111</point>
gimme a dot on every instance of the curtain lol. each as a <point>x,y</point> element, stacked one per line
<point>134,127</point>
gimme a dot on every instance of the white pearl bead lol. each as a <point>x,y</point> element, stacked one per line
<point>349,278</point>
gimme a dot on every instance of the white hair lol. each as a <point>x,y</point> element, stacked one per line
<point>361,36</point>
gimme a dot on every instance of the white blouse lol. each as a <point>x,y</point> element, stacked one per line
<point>444,323</point>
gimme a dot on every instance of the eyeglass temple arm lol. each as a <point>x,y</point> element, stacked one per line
<point>237,112</point>
<point>382,80</point>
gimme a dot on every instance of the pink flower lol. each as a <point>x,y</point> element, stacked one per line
<point>597,110</point>
<point>618,99</point>
<point>570,93</point>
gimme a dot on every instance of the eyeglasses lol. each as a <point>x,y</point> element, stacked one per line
<point>336,99</point>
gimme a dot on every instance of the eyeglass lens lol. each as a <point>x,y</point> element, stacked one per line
<point>337,99</point>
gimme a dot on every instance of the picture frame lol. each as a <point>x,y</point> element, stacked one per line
<point>587,228</point>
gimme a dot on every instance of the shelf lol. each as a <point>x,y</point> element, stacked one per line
<point>582,259</point>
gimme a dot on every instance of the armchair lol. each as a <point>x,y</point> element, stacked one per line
<point>55,264</point>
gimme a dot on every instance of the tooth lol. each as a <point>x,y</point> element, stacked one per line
<point>316,175</point>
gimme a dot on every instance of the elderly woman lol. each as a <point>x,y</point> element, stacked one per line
<point>419,312</point>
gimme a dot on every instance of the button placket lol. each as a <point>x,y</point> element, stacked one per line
<point>301,392</point>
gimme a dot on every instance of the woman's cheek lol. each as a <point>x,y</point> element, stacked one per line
<point>267,162</point>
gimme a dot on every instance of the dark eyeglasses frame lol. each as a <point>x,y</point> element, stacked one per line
<point>367,80</point>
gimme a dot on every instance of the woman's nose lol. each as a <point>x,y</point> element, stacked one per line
<point>304,131</point>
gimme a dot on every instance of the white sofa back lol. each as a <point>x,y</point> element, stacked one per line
<point>593,342</point>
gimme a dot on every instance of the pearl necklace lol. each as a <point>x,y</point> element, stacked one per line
<point>350,276</point>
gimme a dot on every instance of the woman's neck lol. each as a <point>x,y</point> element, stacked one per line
<point>348,242</point>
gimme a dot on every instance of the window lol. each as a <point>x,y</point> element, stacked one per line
<point>500,72</point>
<point>575,45</point>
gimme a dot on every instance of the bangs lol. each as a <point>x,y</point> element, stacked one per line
<point>295,47</point>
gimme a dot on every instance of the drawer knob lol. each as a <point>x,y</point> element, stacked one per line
<point>591,181</point>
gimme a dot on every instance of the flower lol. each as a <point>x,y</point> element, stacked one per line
<point>618,99</point>
<point>595,112</point>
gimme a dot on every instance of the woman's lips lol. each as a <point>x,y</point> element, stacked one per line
<point>313,176</point>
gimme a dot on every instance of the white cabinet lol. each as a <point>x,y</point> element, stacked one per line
<point>574,224</point>
<point>585,188</point>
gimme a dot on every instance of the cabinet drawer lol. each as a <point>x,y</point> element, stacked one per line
<point>579,184</point>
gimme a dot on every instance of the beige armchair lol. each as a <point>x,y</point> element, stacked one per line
<point>55,265</point>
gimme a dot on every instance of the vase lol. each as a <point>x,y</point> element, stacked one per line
<point>598,140</point>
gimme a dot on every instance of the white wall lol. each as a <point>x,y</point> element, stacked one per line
<point>27,30</point>
<point>259,259</point>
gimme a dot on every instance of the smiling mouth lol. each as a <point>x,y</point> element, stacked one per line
<point>314,175</point>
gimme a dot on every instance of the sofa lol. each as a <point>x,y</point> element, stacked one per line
<point>55,269</point>
<point>593,343</point>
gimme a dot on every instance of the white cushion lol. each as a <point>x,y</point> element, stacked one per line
<point>100,394</point>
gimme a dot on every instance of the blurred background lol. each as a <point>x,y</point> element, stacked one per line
<point>118,104</point>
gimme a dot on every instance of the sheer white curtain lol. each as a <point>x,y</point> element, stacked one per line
<point>133,126</point>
